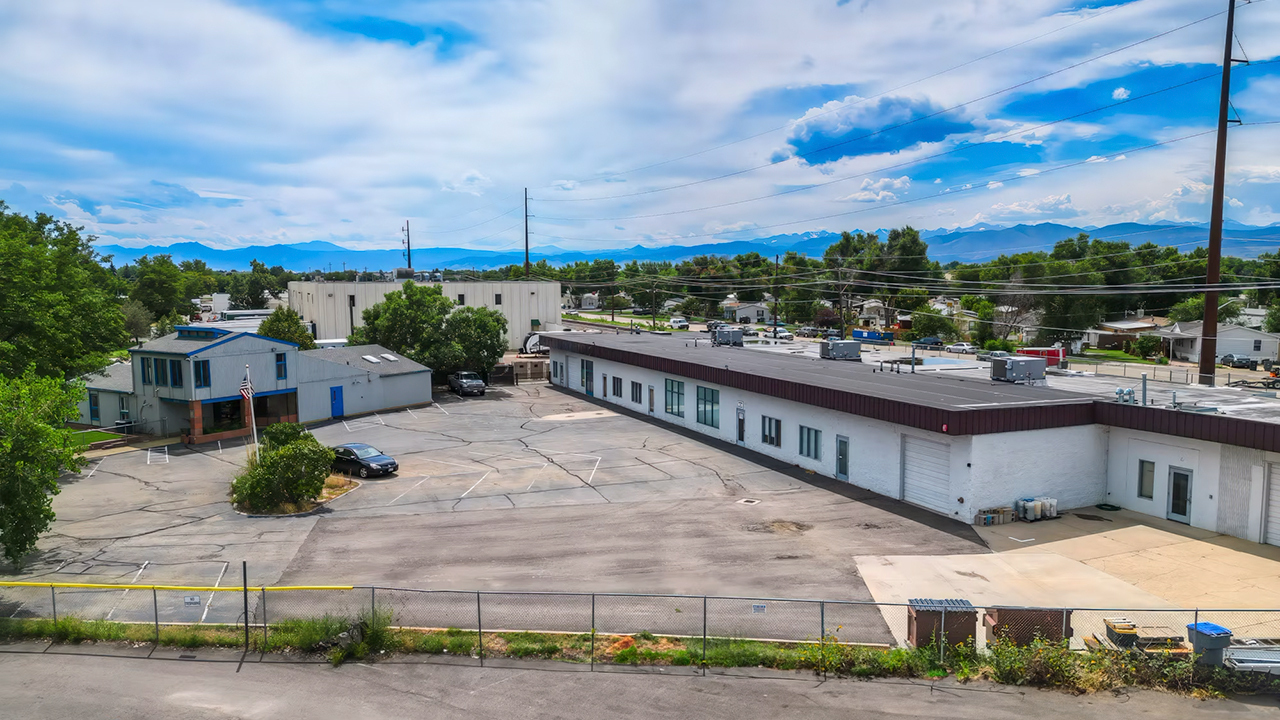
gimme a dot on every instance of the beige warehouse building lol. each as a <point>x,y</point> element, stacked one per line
<point>336,308</point>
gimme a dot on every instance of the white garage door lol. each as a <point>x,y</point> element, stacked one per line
<point>926,474</point>
<point>1273,505</point>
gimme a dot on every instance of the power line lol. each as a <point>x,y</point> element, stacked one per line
<point>842,105</point>
<point>832,146</point>
<point>898,166</point>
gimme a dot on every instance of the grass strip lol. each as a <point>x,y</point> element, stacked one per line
<point>370,636</point>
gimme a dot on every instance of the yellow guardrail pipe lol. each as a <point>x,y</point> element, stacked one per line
<point>191,588</point>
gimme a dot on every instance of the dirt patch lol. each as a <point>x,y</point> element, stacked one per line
<point>780,527</point>
<point>622,644</point>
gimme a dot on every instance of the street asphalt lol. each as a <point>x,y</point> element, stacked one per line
<point>81,686</point>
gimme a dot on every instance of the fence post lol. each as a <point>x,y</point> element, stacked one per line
<point>155,607</point>
<point>53,591</point>
<point>373,603</point>
<point>822,635</point>
<point>704,634</point>
<point>593,631</point>
<point>942,637</point>
<point>244,574</point>
<point>479,630</point>
<point>1064,628</point>
<point>264,619</point>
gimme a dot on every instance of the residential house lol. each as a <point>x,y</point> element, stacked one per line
<point>1182,341</point>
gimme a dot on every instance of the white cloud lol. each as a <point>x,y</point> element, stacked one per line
<point>882,190</point>
<point>1028,172</point>
<point>472,182</point>
<point>1052,207</point>
<point>1120,94</point>
<point>1234,203</point>
<point>994,184</point>
<point>1096,159</point>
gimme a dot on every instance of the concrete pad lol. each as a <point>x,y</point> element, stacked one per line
<point>1020,579</point>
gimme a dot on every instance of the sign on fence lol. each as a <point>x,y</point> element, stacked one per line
<point>757,609</point>
<point>191,600</point>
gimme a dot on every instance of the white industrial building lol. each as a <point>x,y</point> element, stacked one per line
<point>189,382</point>
<point>333,309</point>
<point>954,445</point>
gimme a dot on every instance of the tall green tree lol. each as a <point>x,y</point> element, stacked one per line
<point>409,321</point>
<point>137,320</point>
<point>36,448</point>
<point>1192,309</point>
<point>251,290</point>
<point>477,339</point>
<point>58,303</point>
<point>284,323</point>
<point>160,286</point>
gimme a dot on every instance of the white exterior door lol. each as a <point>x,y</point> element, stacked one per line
<point>573,373</point>
<point>926,473</point>
<point>1271,531</point>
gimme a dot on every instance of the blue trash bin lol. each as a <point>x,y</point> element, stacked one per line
<point>1208,641</point>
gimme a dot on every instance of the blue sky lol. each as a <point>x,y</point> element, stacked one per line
<point>659,122</point>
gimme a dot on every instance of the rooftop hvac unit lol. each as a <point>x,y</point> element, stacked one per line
<point>1018,369</point>
<point>840,349</point>
<point>727,336</point>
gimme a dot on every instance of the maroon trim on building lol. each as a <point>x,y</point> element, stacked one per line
<point>1223,429</point>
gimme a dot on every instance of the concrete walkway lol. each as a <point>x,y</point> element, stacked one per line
<point>1090,558</point>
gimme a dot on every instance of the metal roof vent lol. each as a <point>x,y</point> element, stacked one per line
<point>371,358</point>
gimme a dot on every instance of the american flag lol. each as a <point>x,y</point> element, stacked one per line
<point>246,387</point>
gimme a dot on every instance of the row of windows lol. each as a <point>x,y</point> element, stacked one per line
<point>497,298</point>
<point>810,442</point>
<point>708,407</point>
<point>157,371</point>
<point>675,398</point>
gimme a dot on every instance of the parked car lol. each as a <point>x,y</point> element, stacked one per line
<point>363,460</point>
<point>808,332</point>
<point>466,383</point>
<point>713,324</point>
<point>679,323</point>
<point>963,348</point>
<point>990,355</point>
<point>928,342</point>
<point>833,335</point>
<point>750,332</point>
<point>1236,360</point>
<point>779,334</point>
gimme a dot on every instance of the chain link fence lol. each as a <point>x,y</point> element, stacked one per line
<point>682,633</point>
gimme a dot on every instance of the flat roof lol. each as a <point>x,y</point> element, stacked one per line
<point>923,388</point>
<point>938,401</point>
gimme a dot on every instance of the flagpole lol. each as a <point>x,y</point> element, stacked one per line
<point>253,421</point>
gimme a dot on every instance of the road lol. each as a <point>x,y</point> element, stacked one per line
<point>76,687</point>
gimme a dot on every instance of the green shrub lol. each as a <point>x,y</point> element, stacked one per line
<point>461,644</point>
<point>681,657</point>
<point>999,344</point>
<point>291,473</point>
<point>627,656</point>
<point>545,649</point>
<point>644,635</point>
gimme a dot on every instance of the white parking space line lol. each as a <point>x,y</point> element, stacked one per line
<point>410,411</point>
<point>95,469</point>
<point>216,584</point>
<point>380,420</point>
<point>446,412</point>
<point>593,472</point>
<point>535,478</point>
<point>473,487</point>
<point>406,492</point>
<point>158,458</point>
<point>134,581</point>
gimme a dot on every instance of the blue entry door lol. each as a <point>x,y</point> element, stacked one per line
<point>335,401</point>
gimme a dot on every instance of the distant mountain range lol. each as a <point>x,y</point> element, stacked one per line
<point>972,244</point>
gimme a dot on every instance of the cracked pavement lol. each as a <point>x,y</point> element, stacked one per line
<point>525,488</point>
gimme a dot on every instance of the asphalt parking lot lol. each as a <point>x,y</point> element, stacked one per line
<point>526,488</point>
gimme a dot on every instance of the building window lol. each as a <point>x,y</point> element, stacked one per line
<point>1257,345</point>
<point>637,393</point>
<point>675,398</point>
<point>93,406</point>
<point>810,442</point>
<point>555,369</point>
<point>462,299</point>
<point>175,373</point>
<point>1146,479</point>
<point>282,369</point>
<point>124,407</point>
<point>617,386</point>
<point>200,369</point>
<point>604,383</point>
<point>162,372</point>
<point>708,406</point>
<point>146,371</point>
<point>770,431</point>
<point>497,298</point>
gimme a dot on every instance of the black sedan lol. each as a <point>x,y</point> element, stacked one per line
<point>363,460</point>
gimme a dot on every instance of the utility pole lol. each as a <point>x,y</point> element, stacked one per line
<point>653,296</point>
<point>1209,330</point>
<point>408,248</point>
<point>526,233</point>
<point>775,291</point>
